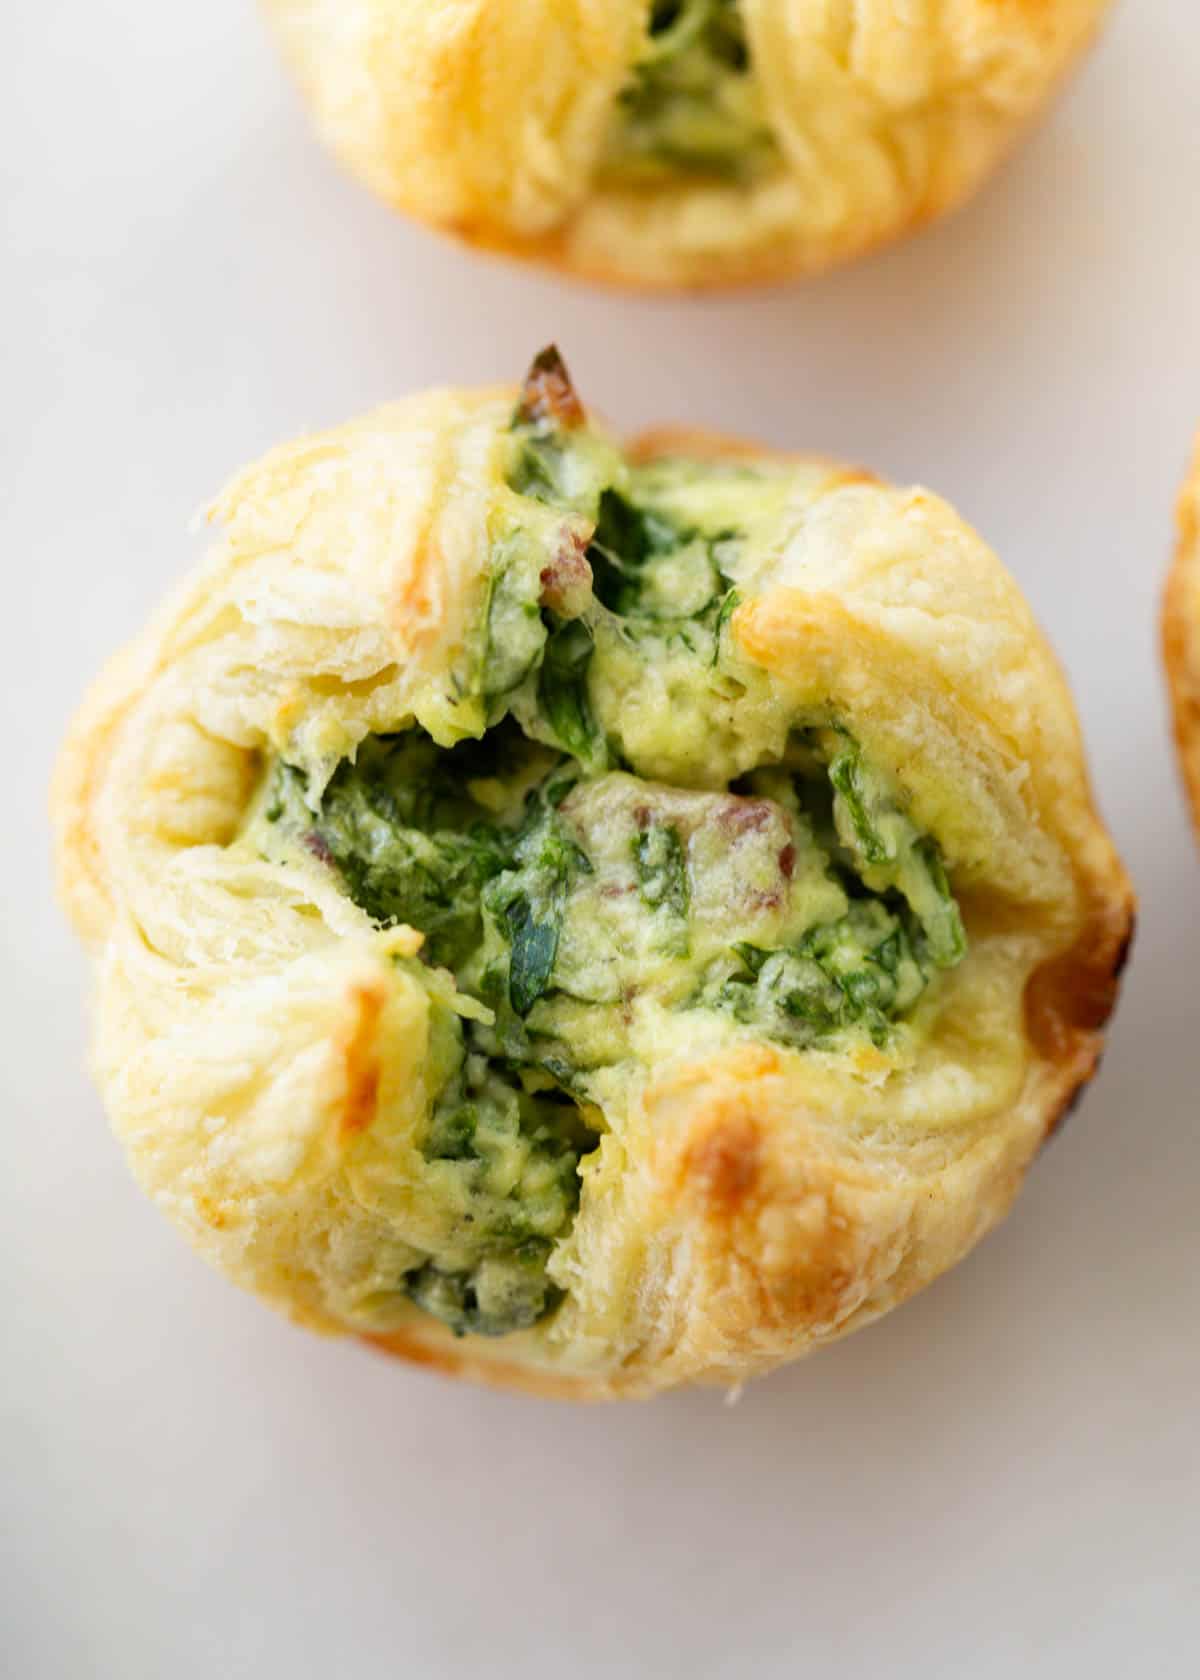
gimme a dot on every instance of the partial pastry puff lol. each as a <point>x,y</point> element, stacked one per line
<point>262,1048</point>
<point>1181,636</point>
<point>493,120</point>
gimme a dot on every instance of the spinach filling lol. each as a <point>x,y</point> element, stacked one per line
<point>506,1161</point>
<point>447,842</point>
<point>867,968</point>
<point>692,106</point>
<point>592,907</point>
<point>578,900</point>
<point>640,578</point>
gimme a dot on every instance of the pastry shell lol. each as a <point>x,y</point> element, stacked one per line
<point>260,1052</point>
<point>488,120</point>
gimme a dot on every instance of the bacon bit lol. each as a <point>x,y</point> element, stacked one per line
<point>318,845</point>
<point>760,900</point>
<point>547,395</point>
<point>641,816</point>
<point>787,861</point>
<point>745,816</point>
<point>567,580</point>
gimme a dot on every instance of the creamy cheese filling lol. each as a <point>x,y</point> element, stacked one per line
<point>618,852</point>
<point>693,105</point>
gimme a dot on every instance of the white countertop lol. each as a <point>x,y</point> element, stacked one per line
<point>1002,1478</point>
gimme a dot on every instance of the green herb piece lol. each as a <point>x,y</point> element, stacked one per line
<point>514,635</point>
<point>534,947</point>
<point>526,904</point>
<point>928,891</point>
<point>625,539</point>
<point>661,864</point>
<point>539,469</point>
<point>894,855</point>
<point>847,777</point>
<point>753,957</point>
<point>730,602</point>
<point>562,688</point>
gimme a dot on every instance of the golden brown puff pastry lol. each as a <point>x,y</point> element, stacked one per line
<point>1181,636</point>
<point>586,919</point>
<point>684,142</point>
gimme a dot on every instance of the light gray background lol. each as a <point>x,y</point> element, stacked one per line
<point>1001,1479</point>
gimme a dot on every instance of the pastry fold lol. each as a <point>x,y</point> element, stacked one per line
<point>734,1142</point>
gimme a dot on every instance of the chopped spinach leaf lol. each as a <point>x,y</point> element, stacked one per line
<point>562,687</point>
<point>753,957</point>
<point>928,891</point>
<point>846,774</point>
<point>894,855</point>
<point>661,864</point>
<point>730,602</point>
<point>625,539</point>
<point>539,469</point>
<point>526,904</point>
<point>514,635</point>
<point>534,944</point>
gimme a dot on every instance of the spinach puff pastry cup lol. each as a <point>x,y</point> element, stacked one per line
<point>679,142</point>
<point>1181,637</point>
<point>587,919</point>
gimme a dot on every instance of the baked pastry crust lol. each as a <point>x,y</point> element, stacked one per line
<point>1181,636</point>
<point>489,120</point>
<point>261,1054</point>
